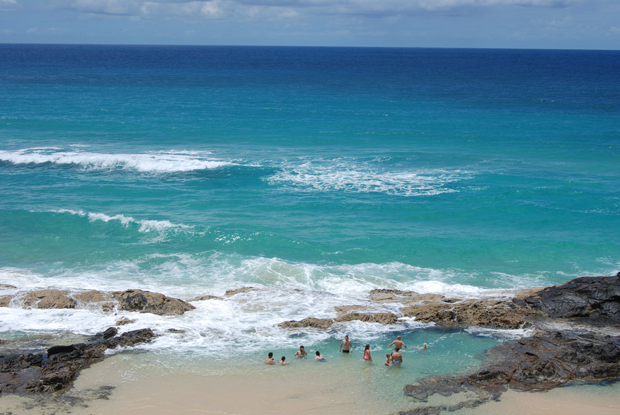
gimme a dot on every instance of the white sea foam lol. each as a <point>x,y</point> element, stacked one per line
<point>145,224</point>
<point>356,177</point>
<point>151,162</point>
<point>285,291</point>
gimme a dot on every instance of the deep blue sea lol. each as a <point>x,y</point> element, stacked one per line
<point>315,174</point>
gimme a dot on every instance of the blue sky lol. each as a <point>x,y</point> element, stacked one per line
<point>563,24</point>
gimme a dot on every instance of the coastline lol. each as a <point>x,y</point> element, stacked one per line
<point>265,390</point>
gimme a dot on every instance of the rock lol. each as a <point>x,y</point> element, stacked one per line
<point>6,287</point>
<point>55,371</point>
<point>48,299</point>
<point>348,308</point>
<point>176,331</point>
<point>490,313</point>
<point>230,293</point>
<point>148,302</point>
<point>402,297</point>
<point>96,298</point>
<point>319,323</point>
<point>542,361</point>
<point>124,321</point>
<point>205,297</point>
<point>383,318</point>
<point>392,292</point>
<point>596,299</point>
<point>5,300</point>
<point>93,296</point>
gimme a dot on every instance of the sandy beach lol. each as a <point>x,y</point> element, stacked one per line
<point>259,390</point>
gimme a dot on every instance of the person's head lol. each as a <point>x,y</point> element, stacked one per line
<point>424,346</point>
<point>301,348</point>
<point>270,355</point>
<point>387,355</point>
<point>318,353</point>
<point>367,347</point>
<point>397,337</point>
<point>283,358</point>
<point>346,337</point>
<point>397,349</point>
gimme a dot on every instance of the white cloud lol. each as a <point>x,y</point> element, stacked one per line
<point>217,9</point>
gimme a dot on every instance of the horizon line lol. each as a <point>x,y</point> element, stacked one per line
<point>303,46</point>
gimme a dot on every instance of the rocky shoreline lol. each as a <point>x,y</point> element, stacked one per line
<point>575,336</point>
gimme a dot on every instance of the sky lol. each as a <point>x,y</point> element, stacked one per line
<point>546,24</point>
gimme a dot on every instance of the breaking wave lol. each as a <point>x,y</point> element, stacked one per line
<point>151,162</point>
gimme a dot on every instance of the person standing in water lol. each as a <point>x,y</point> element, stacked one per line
<point>319,357</point>
<point>367,356</point>
<point>269,360</point>
<point>283,361</point>
<point>397,357</point>
<point>388,359</point>
<point>301,352</point>
<point>346,346</point>
<point>398,343</point>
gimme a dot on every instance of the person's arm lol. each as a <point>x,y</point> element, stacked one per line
<point>369,356</point>
<point>340,348</point>
<point>392,343</point>
<point>404,345</point>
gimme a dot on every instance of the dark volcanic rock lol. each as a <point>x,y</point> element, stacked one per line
<point>54,371</point>
<point>148,302</point>
<point>592,298</point>
<point>542,361</point>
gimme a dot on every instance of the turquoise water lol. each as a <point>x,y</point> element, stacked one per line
<point>194,170</point>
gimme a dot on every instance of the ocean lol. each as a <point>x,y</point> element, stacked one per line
<point>313,174</point>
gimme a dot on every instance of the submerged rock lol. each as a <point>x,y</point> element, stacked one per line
<point>148,302</point>
<point>56,369</point>
<point>5,300</point>
<point>230,293</point>
<point>6,287</point>
<point>345,309</point>
<point>124,321</point>
<point>205,297</point>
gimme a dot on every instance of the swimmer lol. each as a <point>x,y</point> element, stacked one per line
<point>319,357</point>
<point>388,359</point>
<point>424,347</point>
<point>283,361</point>
<point>301,352</point>
<point>346,346</point>
<point>397,357</point>
<point>367,356</point>
<point>398,343</point>
<point>269,360</point>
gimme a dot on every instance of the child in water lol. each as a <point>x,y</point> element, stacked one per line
<point>319,357</point>
<point>283,361</point>
<point>388,359</point>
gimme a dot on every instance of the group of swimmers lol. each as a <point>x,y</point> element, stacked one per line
<point>394,358</point>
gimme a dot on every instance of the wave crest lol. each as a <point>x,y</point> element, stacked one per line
<point>152,162</point>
